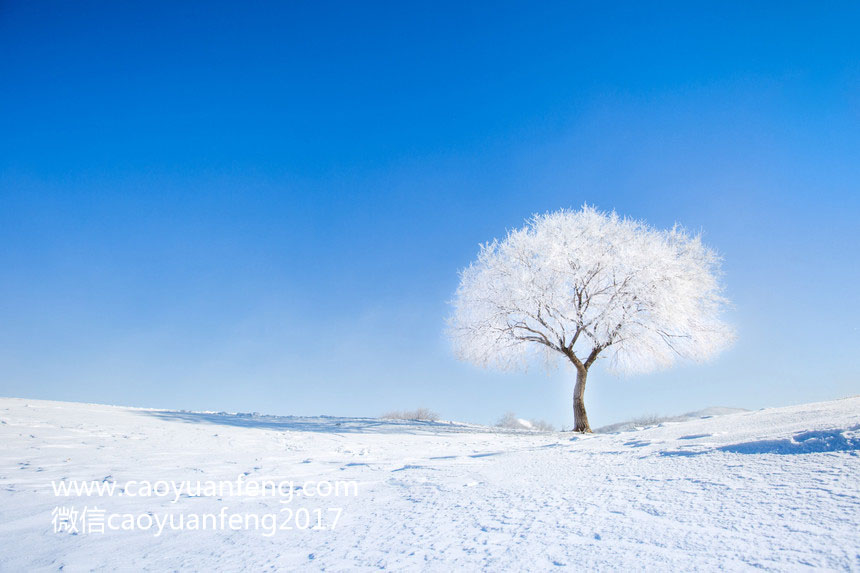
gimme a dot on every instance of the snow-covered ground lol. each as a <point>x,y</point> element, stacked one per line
<point>775,489</point>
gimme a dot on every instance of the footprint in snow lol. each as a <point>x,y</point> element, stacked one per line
<point>485,455</point>
<point>408,467</point>
<point>695,436</point>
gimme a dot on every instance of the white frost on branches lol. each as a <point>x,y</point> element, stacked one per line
<point>588,283</point>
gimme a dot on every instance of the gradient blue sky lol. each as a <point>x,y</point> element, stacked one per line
<point>264,207</point>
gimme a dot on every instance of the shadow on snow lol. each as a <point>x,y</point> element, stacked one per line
<point>811,442</point>
<point>323,424</point>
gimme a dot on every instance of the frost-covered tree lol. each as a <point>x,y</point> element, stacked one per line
<point>586,285</point>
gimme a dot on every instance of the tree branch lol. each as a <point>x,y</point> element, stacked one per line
<point>592,357</point>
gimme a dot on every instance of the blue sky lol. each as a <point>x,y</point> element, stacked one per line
<point>264,208</point>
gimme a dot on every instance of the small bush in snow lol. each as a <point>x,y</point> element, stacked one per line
<point>419,415</point>
<point>648,420</point>
<point>542,426</point>
<point>638,422</point>
<point>511,422</point>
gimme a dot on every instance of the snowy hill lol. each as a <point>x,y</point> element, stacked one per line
<point>640,423</point>
<point>774,489</point>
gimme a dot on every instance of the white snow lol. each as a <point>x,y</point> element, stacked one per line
<point>653,420</point>
<point>776,489</point>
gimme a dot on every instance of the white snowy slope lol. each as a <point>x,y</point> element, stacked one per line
<point>638,423</point>
<point>776,489</point>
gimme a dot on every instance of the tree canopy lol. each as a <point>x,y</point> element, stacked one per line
<point>589,284</point>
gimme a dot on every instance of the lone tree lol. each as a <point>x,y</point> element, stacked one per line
<point>586,285</point>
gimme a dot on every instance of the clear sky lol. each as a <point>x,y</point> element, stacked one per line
<point>264,207</point>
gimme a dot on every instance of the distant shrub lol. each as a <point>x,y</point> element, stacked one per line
<point>638,422</point>
<point>419,415</point>
<point>648,420</point>
<point>511,422</point>
<point>542,426</point>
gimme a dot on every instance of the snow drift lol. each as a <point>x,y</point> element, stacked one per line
<point>774,489</point>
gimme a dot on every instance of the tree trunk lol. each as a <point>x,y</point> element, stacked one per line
<point>580,418</point>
